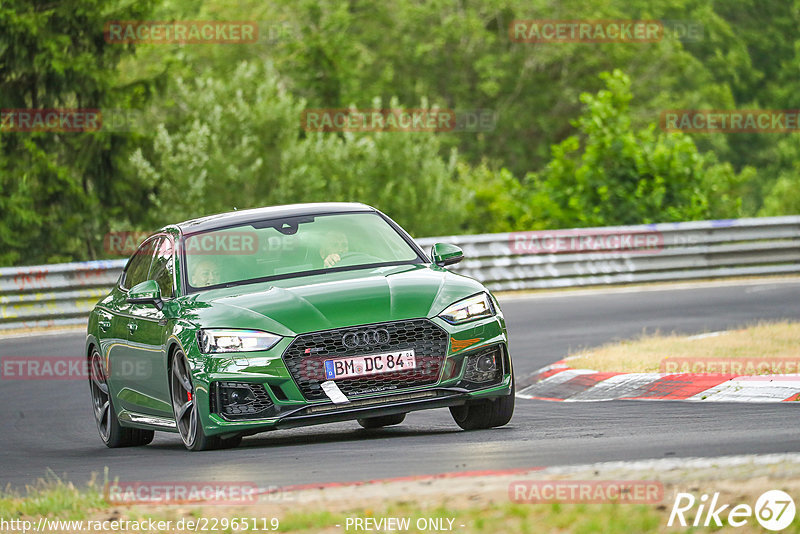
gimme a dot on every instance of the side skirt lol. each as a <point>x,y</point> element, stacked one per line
<point>147,422</point>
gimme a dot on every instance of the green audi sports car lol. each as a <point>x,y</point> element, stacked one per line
<point>279,317</point>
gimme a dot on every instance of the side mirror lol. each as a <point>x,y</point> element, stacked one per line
<point>446,254</point>
<point>146,293</point>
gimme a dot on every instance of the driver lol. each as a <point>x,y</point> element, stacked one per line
<point>333,248</point>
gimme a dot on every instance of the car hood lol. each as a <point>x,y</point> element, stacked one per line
<point>332,300</point>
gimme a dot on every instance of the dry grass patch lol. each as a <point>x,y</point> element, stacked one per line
<point>778,342</point>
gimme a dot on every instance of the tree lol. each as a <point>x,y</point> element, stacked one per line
<point>59,189</point>
<point>613,174</point>
<point>251,152</point>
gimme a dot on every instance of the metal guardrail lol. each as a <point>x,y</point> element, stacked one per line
<point>54,295</point>
<point>63,294</point>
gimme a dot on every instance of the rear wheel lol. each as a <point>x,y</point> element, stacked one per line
<point>111,432</point>
<point>187,416</point>
<point>485,413</point>
<point>384,420</point>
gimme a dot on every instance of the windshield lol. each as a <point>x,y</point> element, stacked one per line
<point>273,249</point>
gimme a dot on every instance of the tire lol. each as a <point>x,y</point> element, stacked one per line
<point>111,432</point>
<point>485,413</point>
<point>384,420</point>
<point>187,416</point>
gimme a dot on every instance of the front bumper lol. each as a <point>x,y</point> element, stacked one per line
<point>389,405</point>
<point>361,408</point>
<point>282,404</point>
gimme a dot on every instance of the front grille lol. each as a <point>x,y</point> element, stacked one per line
<point>306,355</point>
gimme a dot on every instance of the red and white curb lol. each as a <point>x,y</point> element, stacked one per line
<point>559,382</point>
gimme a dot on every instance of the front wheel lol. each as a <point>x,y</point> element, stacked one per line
<point>187,416</point>
<point>485,413</point>
<point>111,432</point>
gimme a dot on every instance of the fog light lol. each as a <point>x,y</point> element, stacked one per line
<point>242,400</point>
<point>484,367</point>
<point>486,363</point>
<point>241,396</point>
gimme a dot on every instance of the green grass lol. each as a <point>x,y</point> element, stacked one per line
<point>52,497</point>
<point>57,499</point>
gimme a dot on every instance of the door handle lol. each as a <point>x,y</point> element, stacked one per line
<point>104,325</point>
<point>132,327</point>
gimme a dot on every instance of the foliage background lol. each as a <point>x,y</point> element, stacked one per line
<point>576,141</point>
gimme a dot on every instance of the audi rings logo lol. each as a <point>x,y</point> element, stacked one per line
<point>364,338</point>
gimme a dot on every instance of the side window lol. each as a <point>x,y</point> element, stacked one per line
<point>163,267</point>
<point>139,264</point>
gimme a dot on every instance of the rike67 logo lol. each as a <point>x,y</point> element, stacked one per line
<point>774,510</point>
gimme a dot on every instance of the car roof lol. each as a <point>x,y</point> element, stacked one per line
<point>235,218</point>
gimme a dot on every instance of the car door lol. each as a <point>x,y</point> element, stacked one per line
<point>112,335</point>
<point>147,337</point>
<point>122,364</point>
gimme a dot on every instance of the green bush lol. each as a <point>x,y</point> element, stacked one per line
<point>613,174</point>
<point>238,143</point>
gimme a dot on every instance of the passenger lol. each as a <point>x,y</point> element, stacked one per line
<point>205,273</point>
<point>334,247</point>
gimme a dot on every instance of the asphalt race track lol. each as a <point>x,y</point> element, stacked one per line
<point>49,424</point>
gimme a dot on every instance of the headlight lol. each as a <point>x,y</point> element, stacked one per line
<point>469,309</point>
<point>213,340</point>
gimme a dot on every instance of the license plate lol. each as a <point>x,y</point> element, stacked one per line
<point>374,364</point>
